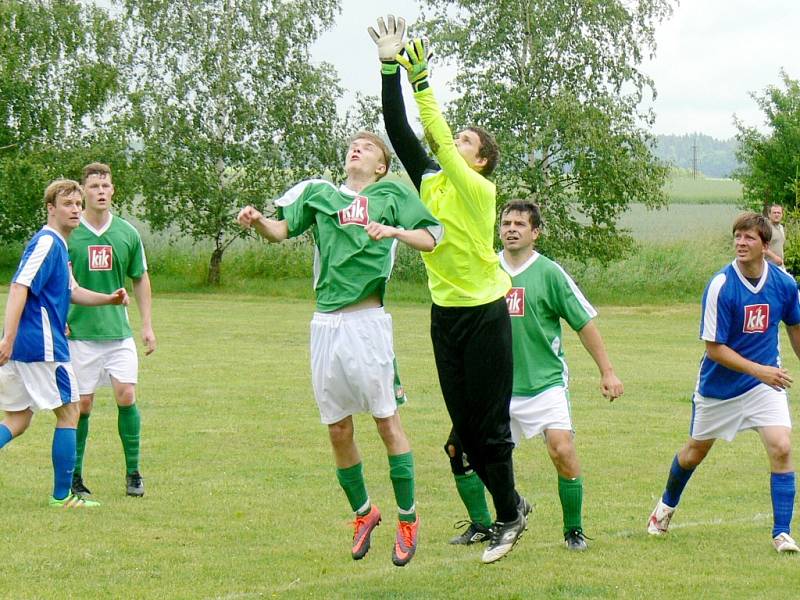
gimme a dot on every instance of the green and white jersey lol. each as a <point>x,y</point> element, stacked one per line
<point>101,260</point>
<point>541,295</point>
<point>348,265</point>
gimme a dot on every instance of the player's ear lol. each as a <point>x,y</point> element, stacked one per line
<point>380,169</point>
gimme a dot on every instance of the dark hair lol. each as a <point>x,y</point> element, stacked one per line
<point>751,220</point>
<point>525,206</point>
<point>488,150</point>
<point>95,168</point>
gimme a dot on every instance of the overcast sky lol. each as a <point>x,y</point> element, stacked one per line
<point>710,54</point>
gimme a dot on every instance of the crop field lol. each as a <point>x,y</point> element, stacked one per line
<point>242,500</point>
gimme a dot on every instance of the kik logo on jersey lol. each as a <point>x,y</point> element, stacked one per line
<point>100,258</point>
<point>515,300</point>
<point>756,318</point>
<point>356,213</point>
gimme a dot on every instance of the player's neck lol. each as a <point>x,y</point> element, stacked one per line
<point>517,258</point>
<point>358,181</point>
<point>751,268</point>
<point>62,231</point>
<point>97,218</point>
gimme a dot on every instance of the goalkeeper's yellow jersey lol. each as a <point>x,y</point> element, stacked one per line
<point>463,269</point>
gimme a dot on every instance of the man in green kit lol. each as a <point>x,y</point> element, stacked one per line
<point>104,251</point>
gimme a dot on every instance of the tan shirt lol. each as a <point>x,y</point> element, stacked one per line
<point>778,240</point>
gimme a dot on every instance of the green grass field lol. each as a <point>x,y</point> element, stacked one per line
<point>683,189</point>
<point>242,501</point>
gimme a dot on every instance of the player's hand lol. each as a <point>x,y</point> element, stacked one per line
<point>247,216</point>
<point>776,377</point>
<point>379,231</point>
<point>119,296</point>
<point>415,63</point>
<point>611,387</point>
<point>149,340</point>
<point>6,347</point>
<point>389,39</point>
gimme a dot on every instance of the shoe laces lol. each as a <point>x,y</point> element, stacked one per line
<point>406,531</point>
<point>578,532</point>
<point>462,523</point>
<point>136,478</point>
<point>360,521</point>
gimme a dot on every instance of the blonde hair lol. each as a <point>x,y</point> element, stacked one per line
<point>61,187</point>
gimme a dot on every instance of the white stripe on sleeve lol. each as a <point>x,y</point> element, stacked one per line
<point>35,260</point>
<point>709,333</point>
<point>590,310</point>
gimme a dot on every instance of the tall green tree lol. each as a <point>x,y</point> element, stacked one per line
<point>227,109</point>
<point>559,82</point>
<point>57,81</point>
<point>770,171</point>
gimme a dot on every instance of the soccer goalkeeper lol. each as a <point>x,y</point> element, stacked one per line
<point>470,325</point>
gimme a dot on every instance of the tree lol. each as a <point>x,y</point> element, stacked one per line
<point>57,79</point>
<point>559,84</point>
<point>227,109</point>
<point>771,161</point>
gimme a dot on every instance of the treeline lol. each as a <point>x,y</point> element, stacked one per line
<point>715,158</point>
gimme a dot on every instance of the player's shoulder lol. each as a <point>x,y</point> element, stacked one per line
<point>306,186</point>
<point>783,278</point>
<point>124,227</point>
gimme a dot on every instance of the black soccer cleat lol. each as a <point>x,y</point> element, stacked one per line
<point>134,485</point>
<point>575,540</point>
<point>78,488</point>
<point>475,533</point>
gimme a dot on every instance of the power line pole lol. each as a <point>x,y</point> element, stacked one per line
<point>694,157</point>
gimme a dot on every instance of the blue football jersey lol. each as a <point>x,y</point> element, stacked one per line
<point>44,270</point>
<point>744,317</point>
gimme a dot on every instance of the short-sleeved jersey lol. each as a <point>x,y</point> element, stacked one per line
<point>44,270</point>
<point>348,265</point>
<point>101,260</point>
<point>463,270</point>
<point>745,318</point>
<point>542,294</point>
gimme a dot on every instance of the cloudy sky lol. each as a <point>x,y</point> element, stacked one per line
<point>710,54</point>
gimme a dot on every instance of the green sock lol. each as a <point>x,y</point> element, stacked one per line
<point>80,443</point>
<point>470,488</point>
<point>570,491</point>
<point>129,425</point>
<point>352,481</point>
<point>401,472</point>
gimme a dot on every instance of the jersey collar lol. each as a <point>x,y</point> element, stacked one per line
<point>102,230</point>
<point>58,235</point>
<point>512,271</point>
<point>753,288</point>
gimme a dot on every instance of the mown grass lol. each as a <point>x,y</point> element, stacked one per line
<point>242,501</point>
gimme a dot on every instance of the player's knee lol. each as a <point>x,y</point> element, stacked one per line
<point>126,396</point>
<point>781,450</point>
<point>340,432</point>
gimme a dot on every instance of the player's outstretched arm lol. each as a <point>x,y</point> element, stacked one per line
<point>270,229</point>
<point>389,41</point>
<point>610,385</point>
<point>144,300</point>
<point>419,239</point>
<point>17,296</point>
<point>86,297</point>
<point>775,377</point>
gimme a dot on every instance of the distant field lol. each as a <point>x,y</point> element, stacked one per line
<point>680,222</point>
<point>682,189</point>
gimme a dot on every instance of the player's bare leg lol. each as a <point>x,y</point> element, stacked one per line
<point>561,448</point>
<point>778,444</point>
<point>129,426</point>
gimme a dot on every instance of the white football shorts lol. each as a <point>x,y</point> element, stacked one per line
<point>95,362</point>
<point>36,385</point>
<point>532,415</point>
<point>761,406</point>
<point>352,364</point>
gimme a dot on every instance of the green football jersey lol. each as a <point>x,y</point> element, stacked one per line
<point>541,295</point>
<point>348,265</point>
<point>101,260</point>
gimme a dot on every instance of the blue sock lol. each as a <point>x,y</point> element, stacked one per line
<point>63,461</point>
<point>5,435</point>
<point>781,487</point>
<point>677,480</point>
